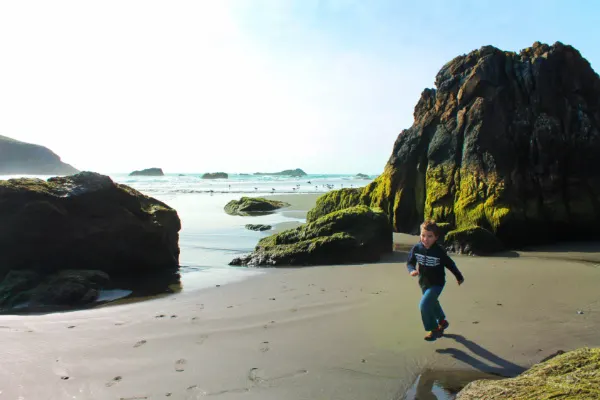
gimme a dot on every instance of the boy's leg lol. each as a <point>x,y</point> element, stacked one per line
<point>429,307</point>
<point>437,308</point>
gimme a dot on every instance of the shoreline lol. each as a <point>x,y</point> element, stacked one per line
<point>349,332</point>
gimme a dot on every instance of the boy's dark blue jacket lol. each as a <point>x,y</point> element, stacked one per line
<point>430,263</point>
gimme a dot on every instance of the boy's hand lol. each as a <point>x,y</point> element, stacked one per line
<point>414,273</point>
<point>460,281</point>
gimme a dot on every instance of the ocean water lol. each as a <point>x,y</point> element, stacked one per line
<point>210,238</point>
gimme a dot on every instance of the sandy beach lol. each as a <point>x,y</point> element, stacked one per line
<point>342,332</point>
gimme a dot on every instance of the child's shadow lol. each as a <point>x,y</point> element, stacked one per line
<point>502,367</point>
<point>431,381</point>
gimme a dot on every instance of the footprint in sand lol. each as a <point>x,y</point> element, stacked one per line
<point>201,339</point>
<point>140,343</point>
<point>264,347</point>
<point>114,381</point>
<point>160,316</point>
<point>180,365</point>
<point>257,376</point>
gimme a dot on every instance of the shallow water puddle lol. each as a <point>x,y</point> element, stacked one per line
<point>443,384</point>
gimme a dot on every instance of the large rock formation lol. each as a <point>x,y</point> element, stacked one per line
<point>355,234</point>
<point>508,142</point>
<point>573,375</point>
<point>81,222</point>
<point>148,172</point>
<point>20,158</point>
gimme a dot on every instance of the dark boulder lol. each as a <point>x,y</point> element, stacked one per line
<point>29,289</point>
<point>148,172</point>
<point>472,240</point>
<point>215,175</point>
<point>247,206</point>
<point>82,222</point>
<point>355,234</point>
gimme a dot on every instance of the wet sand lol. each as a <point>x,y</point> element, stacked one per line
<point>341,332</point>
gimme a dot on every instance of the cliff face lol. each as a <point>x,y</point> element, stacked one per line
<point>507,142</point>
<point>30,159</point>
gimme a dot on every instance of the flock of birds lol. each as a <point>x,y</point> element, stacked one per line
<point>298,186</point>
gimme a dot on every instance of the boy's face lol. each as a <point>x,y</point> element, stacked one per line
<point>427,238</point>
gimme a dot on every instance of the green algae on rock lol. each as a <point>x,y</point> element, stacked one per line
<point>573,375</point>
<point>253,206</point>
<point>354,234</point>
<point>333,201</point>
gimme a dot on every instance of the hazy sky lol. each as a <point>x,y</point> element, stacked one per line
<point>248,85</point>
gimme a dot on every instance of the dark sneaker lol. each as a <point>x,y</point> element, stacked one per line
<point>443,325</point>
<point>433,335</point>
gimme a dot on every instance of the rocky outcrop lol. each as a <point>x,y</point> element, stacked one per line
<point>20,158</point>
<point>247,206</point>
<point>572,375</point>
<point>148,172</point>
<point>258,227</point>
<point>82,222</point>
<point>288,172</point>
<point>215,175</point>
<point>356,234</point>
<point>507,142</point>
<point>361,176</point>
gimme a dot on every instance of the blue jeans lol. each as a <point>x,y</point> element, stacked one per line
<point>431,310</point>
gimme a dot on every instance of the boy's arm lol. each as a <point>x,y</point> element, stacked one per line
<point>412,261</point>
<point>449,263</point>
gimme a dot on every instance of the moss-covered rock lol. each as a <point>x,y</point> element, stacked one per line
<point>215,175</point>
<point>258,227</point>
<point>502,144</point>
<point>574,375</point>
<point>334,200</point>
<point>472,240</point>
<point>354,234</point>
<point>253,206</point>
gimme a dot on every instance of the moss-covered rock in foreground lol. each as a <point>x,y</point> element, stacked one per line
<point>333,201</point>
<point>472,240</point>
<point>574,375</point>
<point>253,206</point>
<point>355,234</point>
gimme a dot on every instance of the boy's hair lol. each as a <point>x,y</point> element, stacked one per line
<point>431,226</point>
